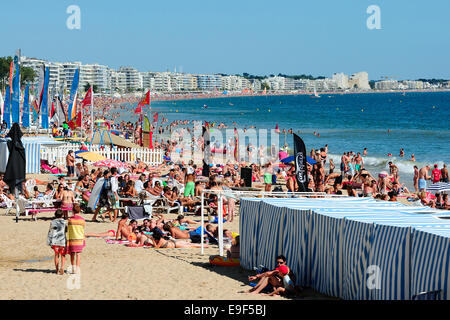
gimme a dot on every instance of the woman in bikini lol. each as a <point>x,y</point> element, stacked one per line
<point>160,242</point>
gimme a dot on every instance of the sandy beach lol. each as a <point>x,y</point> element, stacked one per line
<point>114,271</point>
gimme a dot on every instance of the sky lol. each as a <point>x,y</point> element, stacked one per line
<point>260,37</point>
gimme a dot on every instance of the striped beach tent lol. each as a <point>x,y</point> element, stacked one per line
<point>32,157</point>
<point>353,248</point>
<point>439,187</point>
<point>430,262</point>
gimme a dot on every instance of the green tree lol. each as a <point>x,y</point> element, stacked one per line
<point>27,74</point>
<point>5,63</point>
<point>88,85</point>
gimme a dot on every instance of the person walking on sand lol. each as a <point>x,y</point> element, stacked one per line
<point>57,240</point>
<point>75,238</point>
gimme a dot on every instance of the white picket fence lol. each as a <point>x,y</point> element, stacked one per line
<point>57,155</point>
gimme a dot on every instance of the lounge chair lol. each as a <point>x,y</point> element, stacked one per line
<point>46,168</point>
<point>9,203</point>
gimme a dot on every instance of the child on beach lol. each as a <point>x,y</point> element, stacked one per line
<point>57,240</point>
<point>75,237</point>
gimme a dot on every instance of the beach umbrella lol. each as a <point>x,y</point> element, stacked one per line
<point>439,187</point>
<point>310,160</point>
<point>109,163</point>
<point>91,156</point>
<point>15,169</point>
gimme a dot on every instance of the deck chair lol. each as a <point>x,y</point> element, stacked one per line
<point>172,206</point>
<point>29,185</point>
<point>24,205</point>
<point>9,203</point>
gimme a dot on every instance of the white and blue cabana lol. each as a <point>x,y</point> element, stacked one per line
<point>32,147</point>
<point>352,248</point>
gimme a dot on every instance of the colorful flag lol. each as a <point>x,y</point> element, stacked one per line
<point>300,164</point>
<point>146,101</point>
<point>75,122</point>
<point>15,96</point>
<point>7,108</point>
<point>11,73</point>
<point>40,90</point>
<point>87,101</point>
<point>138,108</point>
<point>146,124</point>
<point>44,104</point>
<point>72,112</point>
<point>26,108</point>
<point>2,102</point>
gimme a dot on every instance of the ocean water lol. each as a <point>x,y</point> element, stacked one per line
<point>418,123</point>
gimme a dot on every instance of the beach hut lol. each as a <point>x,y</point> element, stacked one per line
<point>32,147</point>
<point>352,248</point>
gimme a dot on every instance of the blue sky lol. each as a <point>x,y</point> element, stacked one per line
<point>259,37</point>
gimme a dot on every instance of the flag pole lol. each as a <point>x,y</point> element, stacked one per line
<point>92,110</point>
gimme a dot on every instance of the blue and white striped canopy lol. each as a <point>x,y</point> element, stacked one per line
<point>336,245</point>
<point>439,187</point>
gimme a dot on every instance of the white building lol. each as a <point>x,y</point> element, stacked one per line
<point>209,82</point>
<point>387,85</point>
<point>118,81</point>
<point>132,79</point>
<point>413,85</point>
<point>359,80</point>
<point>341,80</point>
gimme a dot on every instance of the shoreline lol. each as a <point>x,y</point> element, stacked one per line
<point>188,96</point>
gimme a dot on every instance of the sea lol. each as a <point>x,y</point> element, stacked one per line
<point>383,123</point>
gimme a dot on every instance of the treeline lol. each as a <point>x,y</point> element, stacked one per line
<point>295,77</point>
<point>26,74</point>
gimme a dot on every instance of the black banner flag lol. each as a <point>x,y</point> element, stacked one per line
<point>301,172</point>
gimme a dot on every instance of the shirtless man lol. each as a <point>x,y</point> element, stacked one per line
<point>70,163</point>
<point>423,177</point>
<point>359,162</point>
<point>413,158</point>
<point>444,173</point>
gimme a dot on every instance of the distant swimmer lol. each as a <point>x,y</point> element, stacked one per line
<point>402,153</point>
<point>389,130</point>
<point>413,158</point>
<point>365,152</point>
<point>205,106</point>
<point>389,154</point>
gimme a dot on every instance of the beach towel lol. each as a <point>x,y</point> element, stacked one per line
<point>137,213</point>
<point>57,233</point>
<point>112,241</point>
<point>75,234</point>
